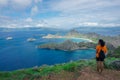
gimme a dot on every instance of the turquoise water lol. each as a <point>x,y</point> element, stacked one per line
<point>18,53</point>
<point>60,40</point>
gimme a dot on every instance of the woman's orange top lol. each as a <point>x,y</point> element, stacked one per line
<point>99,48</point>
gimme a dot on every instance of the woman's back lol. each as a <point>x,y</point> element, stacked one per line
<point>99,48</point>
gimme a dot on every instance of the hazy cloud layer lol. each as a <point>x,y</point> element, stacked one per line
<point>59,13</point>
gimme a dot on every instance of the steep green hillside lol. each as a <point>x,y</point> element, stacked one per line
<point>40,73</point>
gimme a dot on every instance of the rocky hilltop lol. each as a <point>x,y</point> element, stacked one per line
<point>68,45</point>
<point>92,37</point>
<point>114,40</point>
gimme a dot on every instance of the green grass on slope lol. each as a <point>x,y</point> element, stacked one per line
<point>32,73</point>
<point>117,52</point>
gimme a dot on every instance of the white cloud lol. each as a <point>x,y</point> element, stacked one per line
<point>68,13</point>
<point>38,1</point>
<point>73,5</point>
<point>34,10</point>
<point>15,4</point>
<point>13,25</point>
<point>61,22</point>
<point>109,24</point>
<point>90,24</point>
<point>18,4</point>
<point>27,25</point>
<point>29,19</point>
<point>58,22</point>
<point>40,25</point>
<point>85,13</point>
<point>95,24</point>
<point>3,3</point>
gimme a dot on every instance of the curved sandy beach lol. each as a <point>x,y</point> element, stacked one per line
<point>67,37</point>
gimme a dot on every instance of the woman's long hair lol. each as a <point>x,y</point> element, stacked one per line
<point>101,42</point>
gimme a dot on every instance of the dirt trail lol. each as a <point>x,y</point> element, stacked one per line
<point>89,74</point>
<point>85,74</point>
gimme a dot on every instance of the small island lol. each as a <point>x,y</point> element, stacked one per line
<point>31,39</point>
<point>9,38</point>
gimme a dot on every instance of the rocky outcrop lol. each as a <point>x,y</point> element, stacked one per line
<point>114,40</point>
<point>115,64</point>
<point>68,45</point>
<point>73,33</point>
<point>48,46</point>
<point>110,46</point>
<point>87,44</point>
<point>114,52</point>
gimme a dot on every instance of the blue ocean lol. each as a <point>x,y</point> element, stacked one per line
<point>18,53</point>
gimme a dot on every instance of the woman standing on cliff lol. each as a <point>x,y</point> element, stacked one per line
<point>101,51</point>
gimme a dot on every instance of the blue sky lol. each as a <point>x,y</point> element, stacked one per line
<point>59,13</point>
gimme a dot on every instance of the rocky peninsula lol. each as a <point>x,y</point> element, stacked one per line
<point>91,37</point>
<point>112,42</point>
<point>69,45</point>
